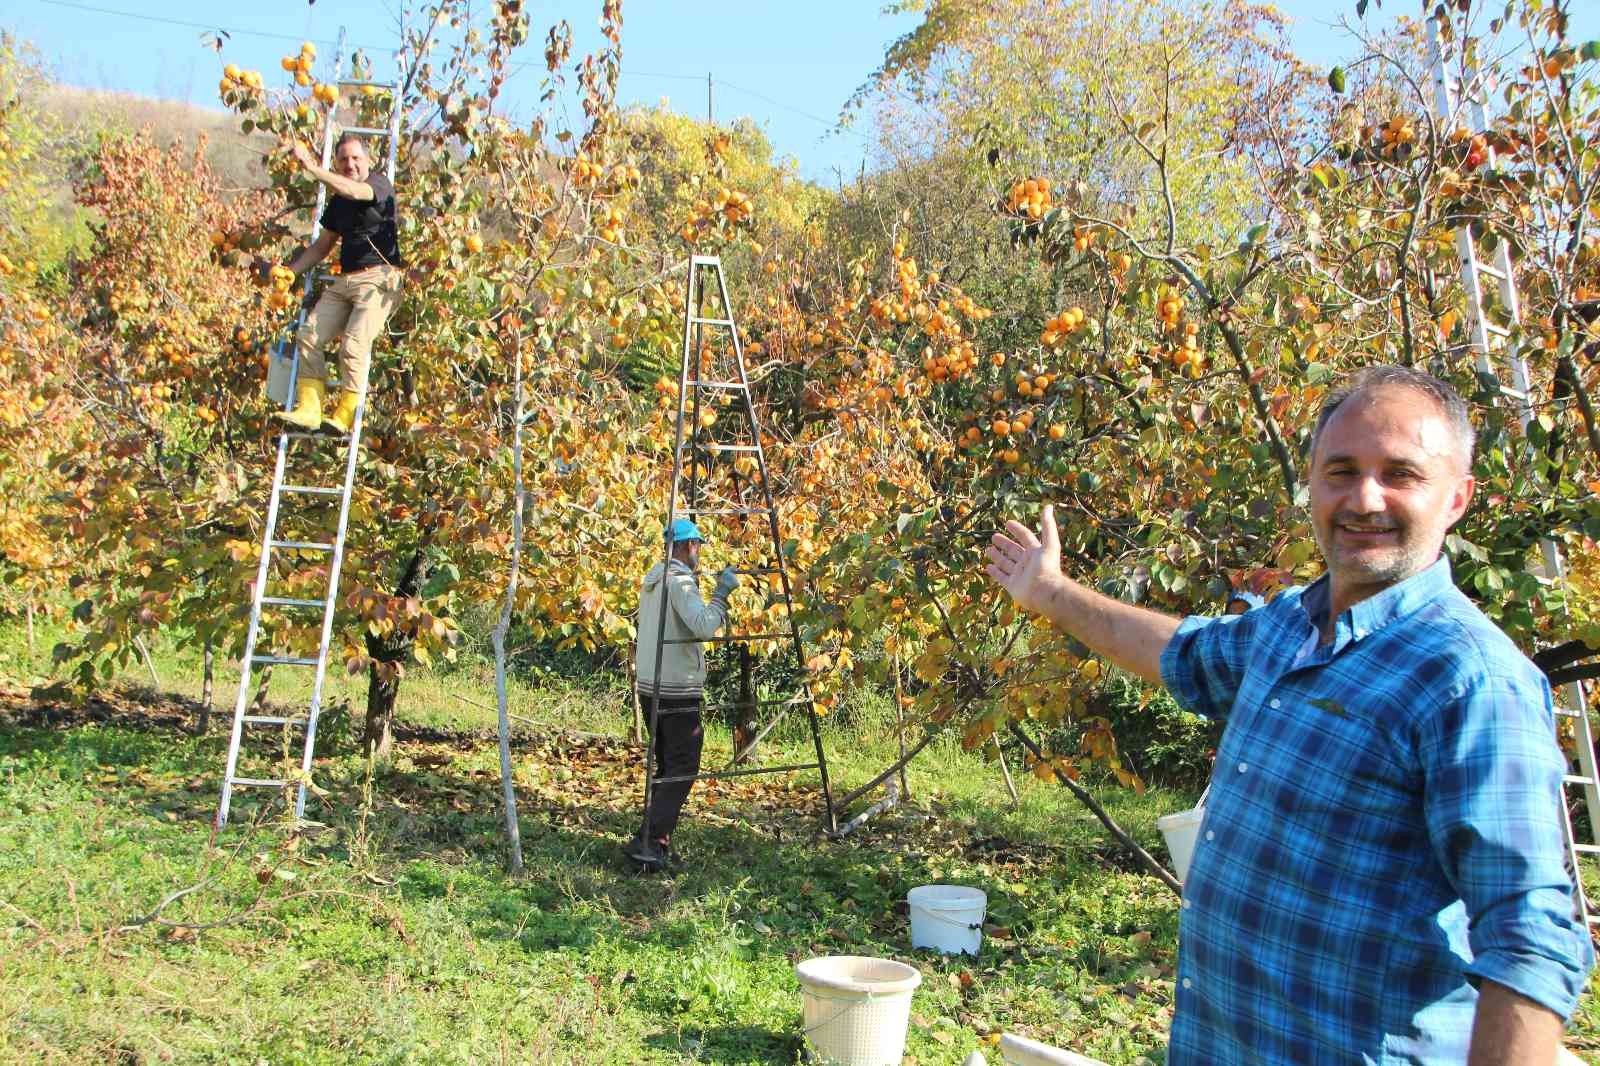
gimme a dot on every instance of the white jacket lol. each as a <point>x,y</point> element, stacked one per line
<point>689,619</point>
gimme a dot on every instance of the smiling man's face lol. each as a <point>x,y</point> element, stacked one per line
<point>1388,480</point>
<point>352,161</point>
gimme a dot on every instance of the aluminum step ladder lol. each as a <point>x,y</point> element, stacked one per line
<point>697,444</point>
<point>284,491</point>
<point>1491,342</point>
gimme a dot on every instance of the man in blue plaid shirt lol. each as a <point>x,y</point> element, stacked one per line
<point>1379,877</point>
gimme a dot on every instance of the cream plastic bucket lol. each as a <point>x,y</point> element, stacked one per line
<point>947,918</point>
<point>856,1009</point>
<point>1181,830</point>
<point>1020,1051</point>
<point>280,365</point>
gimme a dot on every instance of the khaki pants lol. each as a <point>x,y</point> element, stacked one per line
<point>353,307</point>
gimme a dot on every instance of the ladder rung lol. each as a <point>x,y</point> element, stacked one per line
<point>1586,849</point>
<point>369,131</point>
<point>721,447</point>
<point>281,660</point>
<point>302,434</point>
<point>729,640</point>
<point>358,83</point>
<point>272,719</point>
<point>1575,779</point>
<point>1493,272</point>
<point>314,490</point>
<point>290,601</point>
<point>759,571</point>
<point>1593,919</point>
<point>265,782</point>
<point>735,385</point>
<point>726,510</point>
<point>1563,712</point>
<point>1498,331</point>
<point>711,321</point>
<point>303,545</point>
<point>712,774</point>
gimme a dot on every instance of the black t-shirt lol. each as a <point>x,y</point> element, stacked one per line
<point>366,228</point>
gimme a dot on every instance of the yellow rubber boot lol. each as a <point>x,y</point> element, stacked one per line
<point>343,415</point>
<point>307,413</point>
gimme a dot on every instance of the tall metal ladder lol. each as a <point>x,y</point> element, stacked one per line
<point>270,542</point>
<point>694,442</point>
<point>1488,340</point>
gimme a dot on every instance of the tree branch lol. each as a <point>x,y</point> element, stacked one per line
<point>1084,796</point>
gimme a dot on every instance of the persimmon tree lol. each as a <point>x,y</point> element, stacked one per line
<point>1180,383</point>
<point>172,509</point>
<point>36,415</point>
<point>1120,279</point>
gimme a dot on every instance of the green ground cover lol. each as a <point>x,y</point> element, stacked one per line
<point>392,933</point>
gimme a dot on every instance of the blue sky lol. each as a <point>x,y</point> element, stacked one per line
<point>789,65</point>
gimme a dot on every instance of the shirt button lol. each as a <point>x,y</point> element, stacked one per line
<point>1244,767</point>
<point>1276,703</point>
<point>1211,834</point>
<point>1187,983</point>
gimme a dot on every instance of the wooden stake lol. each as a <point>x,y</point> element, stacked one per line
<point>1005,771</point>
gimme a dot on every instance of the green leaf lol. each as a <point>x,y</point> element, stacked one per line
<point>1590,50</point>
<point>1336,80</point>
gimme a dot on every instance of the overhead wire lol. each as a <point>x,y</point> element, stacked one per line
<point>229,30</point>
<point>235,31</point>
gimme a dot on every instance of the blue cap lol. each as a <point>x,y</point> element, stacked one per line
<point>683,529</point>
<point>1250,599</point>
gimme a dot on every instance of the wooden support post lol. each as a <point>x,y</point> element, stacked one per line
<point>1005,771</point>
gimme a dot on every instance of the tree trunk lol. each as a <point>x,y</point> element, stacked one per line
<point>29,608</point>
<point>381,693</point>
<point>207,676</point>
<point>383,686</point>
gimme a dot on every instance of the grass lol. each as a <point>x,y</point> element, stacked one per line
<point>392,934</point>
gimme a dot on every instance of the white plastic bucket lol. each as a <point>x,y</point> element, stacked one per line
<point>1181,830</point>
<point>947,918</point>
<point>280,364</point>
<point>1020,1051</point>
<point>856,1008</point>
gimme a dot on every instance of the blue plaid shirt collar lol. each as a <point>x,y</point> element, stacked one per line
<point>1376,611</point>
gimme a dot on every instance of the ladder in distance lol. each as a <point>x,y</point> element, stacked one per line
<point>1489,340</point>
<point>698,447</point>
<point>279,502</point>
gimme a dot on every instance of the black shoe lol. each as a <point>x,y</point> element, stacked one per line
<point>647,853</point>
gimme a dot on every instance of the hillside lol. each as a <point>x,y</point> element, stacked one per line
<point>77,117</point>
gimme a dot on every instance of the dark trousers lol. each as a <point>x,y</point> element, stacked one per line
<point>679,739</point>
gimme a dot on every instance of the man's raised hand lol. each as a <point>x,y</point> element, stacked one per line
<point>1025,565</point>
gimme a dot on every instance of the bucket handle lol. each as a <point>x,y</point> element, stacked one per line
<point>850,1004</point>
<point>934,913</point>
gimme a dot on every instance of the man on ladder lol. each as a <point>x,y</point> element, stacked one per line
<point>361,216</point>
<point>671,669</point>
